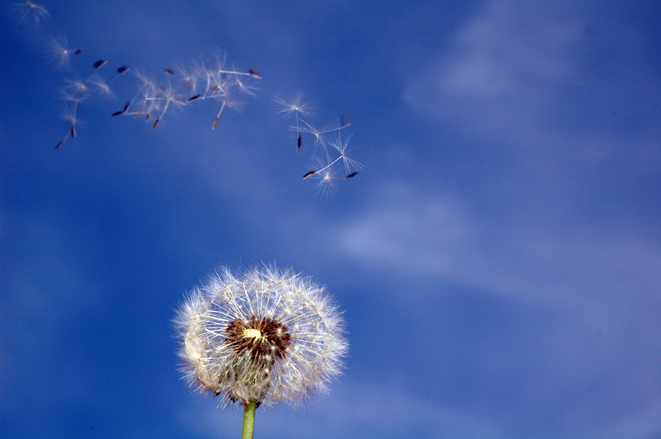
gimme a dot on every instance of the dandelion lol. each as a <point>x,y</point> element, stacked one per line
<point>266,337</point>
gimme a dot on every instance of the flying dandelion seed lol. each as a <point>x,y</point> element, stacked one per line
<point>61,54</point>
<point>319,134</point>
<point>298,109</point>
<point>210,79</point>
<point>254,73</point>
<point>98,64</point>
<point>330,146</point>
<point>218,83</point>
<point>328,170</point>
<point>77,90</point>
<point>31,12</point>
<point>123,111</point>
<point>167,95</point>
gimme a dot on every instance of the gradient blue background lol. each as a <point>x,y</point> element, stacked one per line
<point>498,259</point>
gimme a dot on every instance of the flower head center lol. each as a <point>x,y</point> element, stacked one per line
<point>263,339</point>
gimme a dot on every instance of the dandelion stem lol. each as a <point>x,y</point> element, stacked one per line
<point>249,420</point>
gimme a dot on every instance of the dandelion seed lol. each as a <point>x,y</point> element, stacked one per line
<point>121,70</point>
<point>188,77</point>
<point>30,11</point>
<point>168,96</point>
<point>168,71</point>
<point>319,134</point>
<point>341,145</point>
<point>222,107</point>
<point>97,65</point>
<point>266,337</point>
<point>61,142</point>
<point>61,54</point>
<point>345,120</point>
<point>76,90</point>
<point>100,85</point>
<point>296,108</point>
<point>329,169</point>
<point>244,88</point>
<point>72,119</point>
<point>122,112</point>
<point>325,185</point>
<point>254,74</point>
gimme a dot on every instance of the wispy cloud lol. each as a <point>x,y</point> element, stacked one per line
<point>524,78</point>
<point>371,410</point>
<point>439,236</point>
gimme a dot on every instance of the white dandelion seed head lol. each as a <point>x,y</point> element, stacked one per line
<point>269,335</point>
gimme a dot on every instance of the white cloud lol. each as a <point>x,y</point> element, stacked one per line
<point>408,233</point>
<point>495,79</point>
<point>505,81</point>
<point>645,424</point>
<point>390,409</point>
<point>535,77</point>
<point>45,292</point>
<point>44,281</point>
<point>355,409</point>
<point>415,233</point>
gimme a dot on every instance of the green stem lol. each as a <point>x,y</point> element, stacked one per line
<point>249,420</point>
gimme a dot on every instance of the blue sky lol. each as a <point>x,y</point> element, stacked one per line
<point>498,257</point>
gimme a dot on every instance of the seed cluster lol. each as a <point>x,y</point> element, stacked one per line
<point>261,338</point>
<point>268,336</point>
<point>154,94</point>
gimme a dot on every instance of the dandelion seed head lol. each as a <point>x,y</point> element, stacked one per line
<point>268,335</point>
